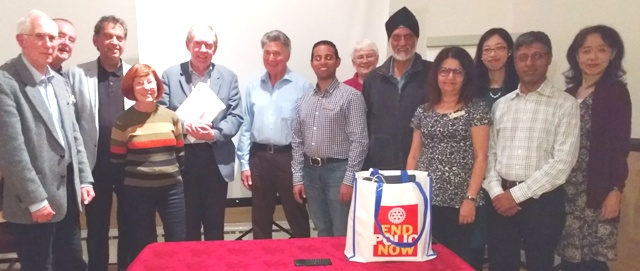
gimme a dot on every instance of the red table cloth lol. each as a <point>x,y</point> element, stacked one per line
<point>275,254</point>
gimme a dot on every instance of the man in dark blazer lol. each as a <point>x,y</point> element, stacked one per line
<point>46,176</point>
<point>205,185</point>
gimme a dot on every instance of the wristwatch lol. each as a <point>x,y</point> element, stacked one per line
<point>469,197</point>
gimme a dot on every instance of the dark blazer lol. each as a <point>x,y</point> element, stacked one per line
<point>32,156</point>
<point>610,140</point>
<point>177,86</point>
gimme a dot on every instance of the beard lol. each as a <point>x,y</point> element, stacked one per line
<point>404,56</point>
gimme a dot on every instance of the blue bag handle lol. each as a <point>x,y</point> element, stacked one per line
<point>375,173</point>
<point>379,189</point>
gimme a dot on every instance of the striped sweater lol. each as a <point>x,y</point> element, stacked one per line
<point>151,146</point>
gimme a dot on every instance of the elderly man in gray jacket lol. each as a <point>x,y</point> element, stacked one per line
<point>46,176</point>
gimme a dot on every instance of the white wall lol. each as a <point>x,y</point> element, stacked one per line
<point>83,14</point>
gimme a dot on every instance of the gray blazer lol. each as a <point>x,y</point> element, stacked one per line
<point>32,157</point>
<point>177,86</point>
<point>83,80</point>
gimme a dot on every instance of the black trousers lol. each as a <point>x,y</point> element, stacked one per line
<point>52,246</point>
<point>108,179</point>
<point>537,227</point>
<point>271,176</point>
<point>205,193</point>
<point>450,233</point>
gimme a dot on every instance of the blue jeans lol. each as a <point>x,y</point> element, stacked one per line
<point>322,186</point>
<point>142,204</point>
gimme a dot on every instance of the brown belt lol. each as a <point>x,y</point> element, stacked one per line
<point>506,184</point>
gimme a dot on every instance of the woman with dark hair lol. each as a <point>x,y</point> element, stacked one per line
<point>450,141</point>
<point>147,139</point>
<point>494,61</point>
<point>497,77</point>
<point>596,78</point>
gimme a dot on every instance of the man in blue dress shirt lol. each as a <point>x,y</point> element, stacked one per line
<point>264,148</point>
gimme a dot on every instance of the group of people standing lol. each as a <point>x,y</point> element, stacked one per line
<point>552,163</point>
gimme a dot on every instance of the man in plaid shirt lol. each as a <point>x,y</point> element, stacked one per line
<point>329,144</point>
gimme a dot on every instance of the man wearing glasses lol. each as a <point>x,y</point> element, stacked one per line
<point>46,175</point>
<point>533,146</point>
<point>364,59</point>
<point>393,92</point>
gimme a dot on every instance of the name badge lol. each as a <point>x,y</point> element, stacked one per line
<point>456,114</point>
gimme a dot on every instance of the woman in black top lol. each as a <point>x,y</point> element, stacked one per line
<point>496,78</point>
<point>494,61</point>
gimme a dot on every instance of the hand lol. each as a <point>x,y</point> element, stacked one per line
<point>199,130</point>
<point>611,205</point>
<point>298,192</point>
<point>87,194</point>
<point>345,193</point>
<point>246,179</point>
<point>42,215</point>
<point>467,212</point>
<point>511,211</point>
<point>505,204</point>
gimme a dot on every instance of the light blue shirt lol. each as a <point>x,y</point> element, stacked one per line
<point>46,90</point>
<point>269,112</point>
<point>403,77</point>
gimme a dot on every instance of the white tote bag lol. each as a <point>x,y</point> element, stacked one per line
<point>390,221</point>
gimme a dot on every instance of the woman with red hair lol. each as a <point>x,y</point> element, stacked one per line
<point>148,140</point>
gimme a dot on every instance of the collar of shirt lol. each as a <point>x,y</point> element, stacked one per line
<point>266,79</point>
<point>544,89</point>
<point>195,75</point>
<point>404,74</point>
<point>37,76</point>
<point>103,73</point>
<point>333,86</point>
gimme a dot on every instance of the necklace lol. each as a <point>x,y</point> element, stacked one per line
<point>495,96</point>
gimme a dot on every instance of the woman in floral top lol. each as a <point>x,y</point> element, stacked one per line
<point>450,141</point>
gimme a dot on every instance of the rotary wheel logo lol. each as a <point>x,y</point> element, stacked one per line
<point>397,215</point>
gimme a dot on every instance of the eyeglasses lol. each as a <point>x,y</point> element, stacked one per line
<point>364,57</point>
<point>535,57</point>
<point>444,72</point>
<point>44,37</point>
<point>498,49</point>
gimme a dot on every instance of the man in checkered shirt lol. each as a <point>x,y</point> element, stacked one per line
<point>533,147</point>
<point>329,144</point>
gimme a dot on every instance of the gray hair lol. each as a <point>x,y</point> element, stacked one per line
<point>364,44</point>
<point>532,37</point>
<point>24,23</point>
<point>205,26</point>
<point>276,35</point>
<point>63,20</point>
<point>110,19</point>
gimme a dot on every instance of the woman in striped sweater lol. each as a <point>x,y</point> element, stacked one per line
<point>147,139</point>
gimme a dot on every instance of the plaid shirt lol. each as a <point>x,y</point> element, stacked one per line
<point>330,124</point>
<point>535,139</point>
